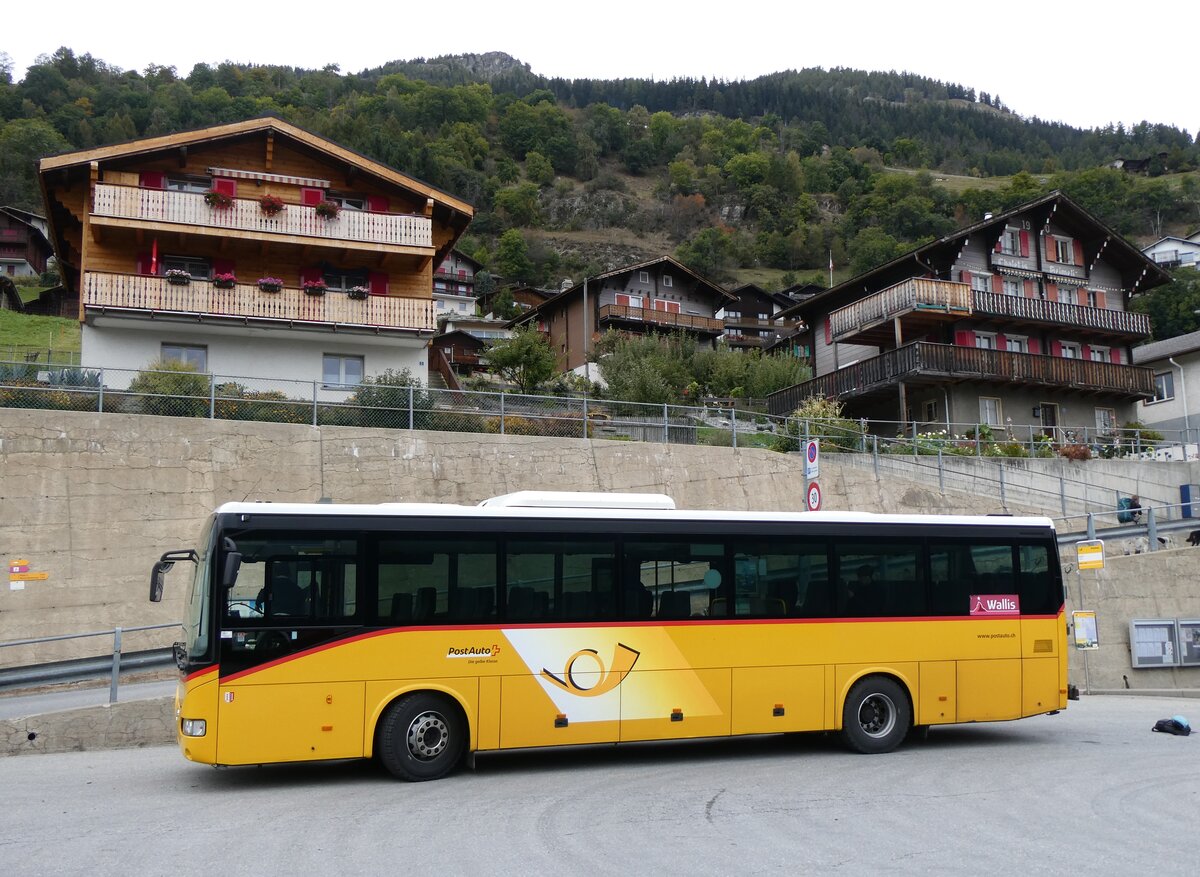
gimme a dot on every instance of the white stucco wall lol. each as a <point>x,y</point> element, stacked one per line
<point>260,358</point>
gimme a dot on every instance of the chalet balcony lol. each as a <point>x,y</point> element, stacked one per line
<point>924,363</point>
<point>664,319</point>
<point>114,205</point>
<point>245,302</point>
<point>920,303</point>
<point>781,326</point>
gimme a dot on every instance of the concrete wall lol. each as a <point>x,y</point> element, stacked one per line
<point>118,726</point>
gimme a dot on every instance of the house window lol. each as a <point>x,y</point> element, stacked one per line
<point>339,371</point>
<point>197,269</point>
<point>985,340</point>
<point>1010,242</point>
<point>671,307</point>
<point>1106,420</point>
<point>1016,344</point>
<point>989,410</point>
<point>981,283</point>
<point>1100,354</point>
<point>341,279</point>
<point>1164,387</point>
<point>187,184</point>
<point>667,281</point>
<point>629,301</point>
<point>1013,287</point>
<point>347,201</point>
<point>1092,301</point>
<point>929,410</point>
<point>188,354</point>
<point>643,277</point>
<point>1068,295</point>
<point>1070,350</point>
<point>1064,251</point>
<point>733,315</point>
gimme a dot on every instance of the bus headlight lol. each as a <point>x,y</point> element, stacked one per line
<point>194,727</point>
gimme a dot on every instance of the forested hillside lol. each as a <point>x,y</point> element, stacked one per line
<point>773,175</point>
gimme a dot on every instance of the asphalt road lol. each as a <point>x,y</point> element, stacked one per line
<point>16,705</point>
<point>1089,791</point>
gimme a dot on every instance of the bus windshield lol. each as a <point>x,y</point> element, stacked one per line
<point>197,625</point>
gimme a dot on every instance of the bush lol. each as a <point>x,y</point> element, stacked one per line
<point>383,401</point>
<point>172,389</point>
<point>1075,452</point>
<point>824,420</point>
<point>235,402</point>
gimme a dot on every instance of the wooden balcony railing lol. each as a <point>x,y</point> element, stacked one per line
<point>134,292</point>
<point>661,318</point>
<point>945,361</point>
<point>920,294</point>
<point>760,323</point>
<point>994,304</point>
<point>917,293</point>
<point>189,208</point>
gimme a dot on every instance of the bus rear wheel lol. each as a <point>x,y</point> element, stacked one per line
<point>877,715</point>
<point>422,737</point>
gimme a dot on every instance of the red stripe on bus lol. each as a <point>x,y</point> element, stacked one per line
<point>196,674</point>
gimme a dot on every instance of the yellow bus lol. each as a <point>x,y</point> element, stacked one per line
<point>423,634</point>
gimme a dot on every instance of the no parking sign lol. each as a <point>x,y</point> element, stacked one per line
<point>812,459</point>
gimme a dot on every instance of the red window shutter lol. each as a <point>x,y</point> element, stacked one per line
<point>1055,348</point>
<point>1051,248</point>
<point>1051,292</point>
<point>143,263</point>
<point>828,332</point>
<point>1099,298</point>
<point>378,281</point>
<point>1087,352</point>
<point>311,275</point>
<point>999,245</point>
<point>997,283</point>
<point>222,266</point>
<point>1001,342</point>
<point>1034,346</point>
<point>1078,248</point>
<point>964,338</point>
<point>965,276</point>
<point>1030,289</point>
<point>152,180</point>
<point>622,300</point>
<point>377,203</point>
<point>311,197</point>
<point>1025,244</point>
<point>225,185</point>
<point>1115,355</point>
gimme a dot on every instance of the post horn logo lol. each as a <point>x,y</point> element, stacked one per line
<point>577,682</point>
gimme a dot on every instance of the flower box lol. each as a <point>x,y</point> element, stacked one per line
<point>314,287</point>
<point>177,277</point>
<point>271,205</point>
<point>327,209</point>
<point>217,200</point>
<point>358,292</point>
<point>224,281</point>
<point>270,284</point>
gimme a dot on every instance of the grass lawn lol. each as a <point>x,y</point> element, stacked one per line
<point>41,333</point>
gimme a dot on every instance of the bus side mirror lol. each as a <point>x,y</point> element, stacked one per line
<point>157,575</point>
<point>233,562</point>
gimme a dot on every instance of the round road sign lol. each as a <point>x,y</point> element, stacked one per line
<point>814,497</point>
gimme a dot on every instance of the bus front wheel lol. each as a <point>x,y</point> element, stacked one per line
<point>422,737</point>
<point>877,715</point>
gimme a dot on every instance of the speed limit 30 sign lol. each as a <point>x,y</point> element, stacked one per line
<point>814,497</point>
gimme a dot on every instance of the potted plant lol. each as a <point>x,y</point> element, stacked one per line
<point>270,284</point>
<point>177,277</point>
<point>271,205</point>
<point>328,209</point>
<point>314,287</point>
<point>217,200</point>
<point>358,292</point>
<point>224,281</point>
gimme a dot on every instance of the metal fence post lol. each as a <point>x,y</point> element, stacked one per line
<point>212,397</point>
<point>1152,528</point>
<point>875,454</point>
<point>116,666</point>
<point>1091,526</point>
<point>914,438</point>
<point>733,424</point>
<point>1062,494</point>
<point>501,414</point>
<point>941,472</point>
<point>664,422</point>
<point>585,429</point>
<point>1003,492</point>
<point>314,383</point>
<point>100,401</point>
<point>410,407</point>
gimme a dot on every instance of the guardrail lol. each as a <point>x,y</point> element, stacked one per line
<point>87,668</point>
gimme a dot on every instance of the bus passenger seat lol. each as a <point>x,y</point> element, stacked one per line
<point>576,604</point>
<point>402,607</point>
<point>426,605</point>
<point>674,604</point>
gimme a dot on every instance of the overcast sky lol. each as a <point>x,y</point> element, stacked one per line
<point>1083,64</point>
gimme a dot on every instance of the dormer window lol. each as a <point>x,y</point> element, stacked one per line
<point>1010,242</point>
<point>667,281</point>
<point>1063,251</point>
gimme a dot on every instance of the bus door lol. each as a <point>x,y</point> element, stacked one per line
<point>282,697</point>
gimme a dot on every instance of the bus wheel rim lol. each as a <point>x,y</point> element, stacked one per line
<point>428,736</point>
<point>877,715</point>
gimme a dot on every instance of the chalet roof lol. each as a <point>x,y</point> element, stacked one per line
<point>146,145</point>
<point>577,289</point>
<point>941,253</point>
<point>1170,237</point>
<point>464,257</point>
<point>461,336</point>
<point>35,222</point>
<point>1161,350</point>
